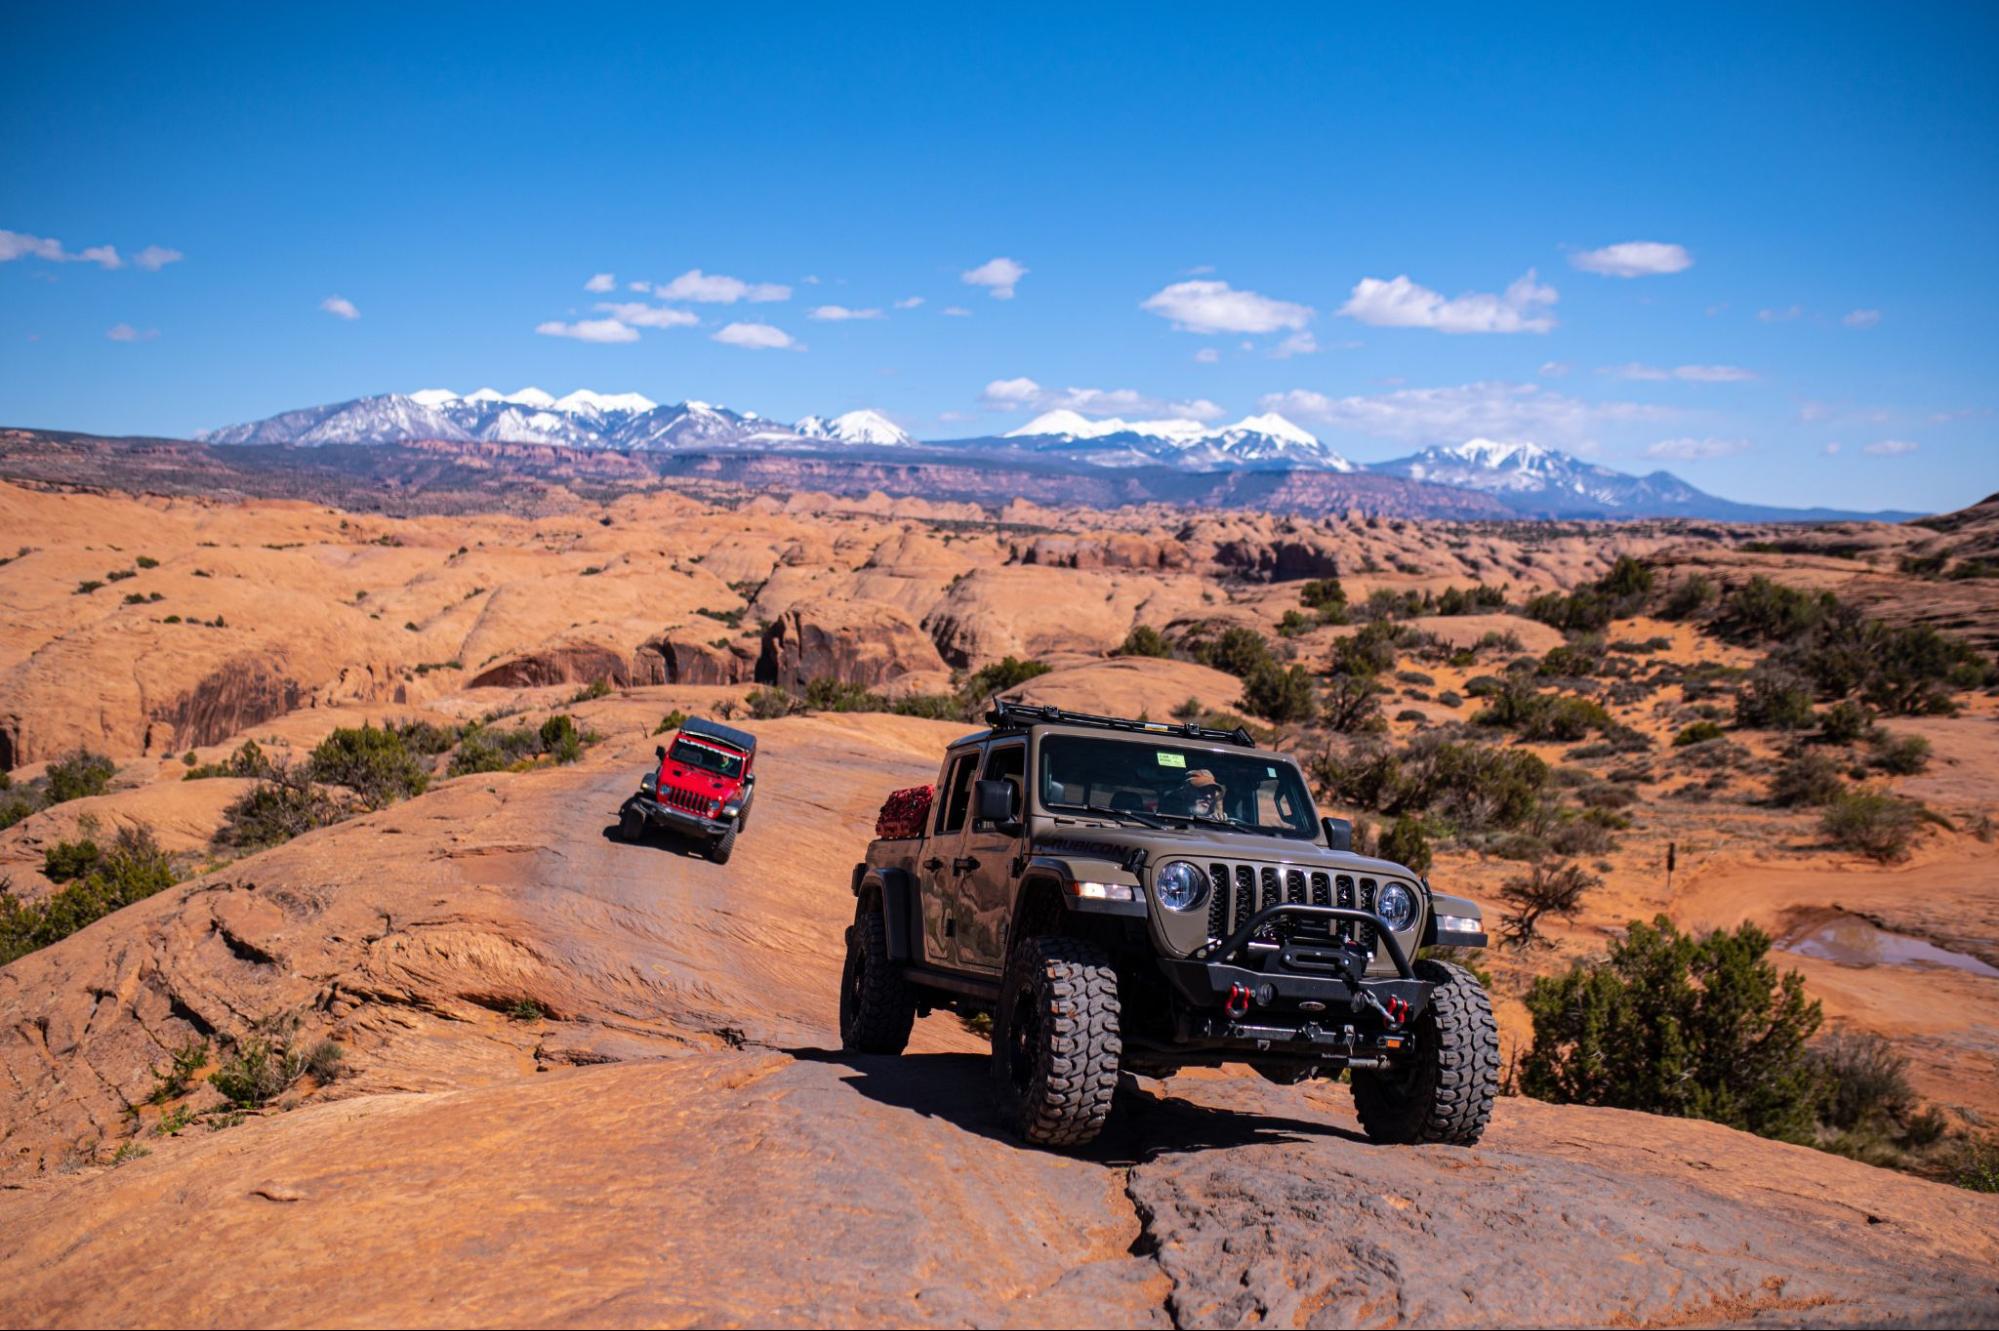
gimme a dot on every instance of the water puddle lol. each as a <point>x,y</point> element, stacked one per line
<point>1849,940</point>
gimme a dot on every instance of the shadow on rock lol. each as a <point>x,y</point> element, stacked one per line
<point>654,840</point>
<point>1146,1125</point>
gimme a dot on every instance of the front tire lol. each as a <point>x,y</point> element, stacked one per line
<point>1056,1044</point>
<point>723,846</point>
<point>631,825</point>
<point>877,1008</point>
<point>1444,1094</point>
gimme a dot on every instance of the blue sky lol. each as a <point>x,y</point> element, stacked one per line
<point>1212,213</point>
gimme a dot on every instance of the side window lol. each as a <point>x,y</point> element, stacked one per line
<point>1008,762</point>
<point>958,793</point>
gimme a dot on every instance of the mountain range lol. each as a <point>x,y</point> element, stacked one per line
<point>1525,478</point>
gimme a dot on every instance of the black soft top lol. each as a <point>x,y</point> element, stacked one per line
<point>715,730</point>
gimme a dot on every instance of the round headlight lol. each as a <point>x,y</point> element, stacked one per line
<point>1397,905</point>
<point>1180,885</point>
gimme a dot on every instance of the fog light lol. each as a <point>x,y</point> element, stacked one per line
<point>1100,891</point>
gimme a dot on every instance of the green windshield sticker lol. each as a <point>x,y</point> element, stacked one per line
<point>1270,771</point>
<point>1170,759</point>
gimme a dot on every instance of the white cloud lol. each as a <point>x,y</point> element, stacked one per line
<point>1024,394</point>
<point>909,302</point>
<point>1207,355</point>
<point>341,306</point>
<point>1300,343</point>
<point>1785,315</point>
<point>640,315</point>
<point>1634,258</point>
<point>1493,409</point>
<point>1700,374</point>
<point>757,337</point>
<point>1891,448</point>
<point>957,311</point>
<point>810,280</point>
<point>127,333</point>
<point>18,244</point>
<point>1400,303</point>
<point>1832,449</point>
<point>997,276</point>
<point>837,313</point>
<point>1862,318</point>
<point>1692,450</point>
<point>638,286</point>
<point>590,330</point>
<point>1555,369</point>
<point>1217,307</point>
<point>602,282</point>
<point>715,289</point>
<point>155,257</point>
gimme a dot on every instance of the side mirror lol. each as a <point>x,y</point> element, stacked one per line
<point>1339,833</point>
<point>996,802</point>
<point>649,784</point>
<point>659,752</point>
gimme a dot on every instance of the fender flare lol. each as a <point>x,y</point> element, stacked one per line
<point>900,915</point>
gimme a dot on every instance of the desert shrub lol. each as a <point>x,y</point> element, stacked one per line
<point>87,586</point>
<point>595,689</point>
<point>1690,596</point>
<point>1549,888</point>
<point>1239,651</point>
<point>1700,732</point>
<point>930,706</point>
<point>1672,1024</point>
<point>1144,640</point>
<point>1006,673</point>
<point>1558,717</point>
<point>672,721</point>
<point>78,775</point>
<point>1279,695</point>
<point>426,739</point>
<point>1475,599</point>
<point>1406,843</point>
<point>1764,611</point>
<point>1844,723</point>
<point>1573,834</point>
<point>1291,624</point>
<point>485,748</point>
<point>561,740</point>
<point>247,761</point>
<point>1619,594</point>
<point>270,1060</point>
<point>1875,824</point>
<point>766,703</point>
<point>375,764</point>
<point>286,805</point>
<point>1806,779</point>
<point>1863,1082</point>
<point>1774,698</point>
<point>1575,659</point>
<point>825,694</point>
<point>133,869</point>
<point>1323,595</point>
<point>1900,755</point>
<point>1462,786</point>
<point>1370,651</point>
<point>71,859</point>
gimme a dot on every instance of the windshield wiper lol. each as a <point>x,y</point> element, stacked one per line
<point>1135,815</point>
<point>1233,824</point>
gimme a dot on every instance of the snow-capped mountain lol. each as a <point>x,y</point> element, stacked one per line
<point>1542,480</point>
<point>1266,442</point>
<point>854,427</point>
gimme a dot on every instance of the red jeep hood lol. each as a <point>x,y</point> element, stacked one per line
<point>676,776</point>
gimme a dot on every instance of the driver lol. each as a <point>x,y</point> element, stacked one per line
<point>1199,796</point>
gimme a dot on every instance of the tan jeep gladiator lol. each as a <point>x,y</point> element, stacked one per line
<point>1135,895</point>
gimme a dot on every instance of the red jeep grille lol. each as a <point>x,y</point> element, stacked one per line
<point>685,799</point>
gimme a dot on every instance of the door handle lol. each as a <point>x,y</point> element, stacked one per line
<point>964,864</point>
<point>932,865</point>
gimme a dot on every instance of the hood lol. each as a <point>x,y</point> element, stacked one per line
<point>696,780</point>
<point>1113,842</point>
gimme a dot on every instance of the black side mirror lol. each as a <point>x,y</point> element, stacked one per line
<point>659,752</point>
<point>996,802</point>
<point>1339,833</point>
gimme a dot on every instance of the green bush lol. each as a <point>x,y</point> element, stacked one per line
<point>78,775</point>
<point>1618,594</point>
<point>1900,755</point>
<point>70,859</point>
<point>1844,723</point>
<point>1691,596</point>
<point>831,695</point>
<point>1352,704</point>
<point>1405,843</point>
<point>1774,698</point>
<point>285,805</point>
<point>1806,779</point>
<point>1464,786</point>
<point>486,749</point>
<point>1877,825</point>
<point>1672,1024</point>
<point>1370,651</point>
<point>375,764</point>
<point>1323,595</point>
<point>1558,717</point>
<point>1700,732</point>
<point>1863,1082</point>
<point>269,1061</point>
<point>1549,888</point>
<point>672,721</point>
<point>1144,640</point>
<point>1239,651</point>
<point>247,761</point>
<point>132,870</point>
<point>1000,676</point>
<point>768,704</point>
<point>1279,695</point>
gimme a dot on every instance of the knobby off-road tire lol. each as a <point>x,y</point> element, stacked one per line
<point>723,846</point>
<point>1445,1094</point>
<point>631,825</point>
<point>1055,1042</point>
<point>877,1007</point>
<point>743,815</point>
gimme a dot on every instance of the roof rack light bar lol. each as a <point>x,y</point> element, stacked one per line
<point>1007,715</point>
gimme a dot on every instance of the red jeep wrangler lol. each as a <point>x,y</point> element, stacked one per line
<point>703,787</point>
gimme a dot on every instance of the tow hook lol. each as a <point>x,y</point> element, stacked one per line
<point>1237,1004</point>
<point>1395,1011</point>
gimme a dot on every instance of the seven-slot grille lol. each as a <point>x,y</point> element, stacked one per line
<point>1238,891</point>
<point>686,799</point>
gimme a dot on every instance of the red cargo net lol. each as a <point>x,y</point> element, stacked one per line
<point>903,812</point>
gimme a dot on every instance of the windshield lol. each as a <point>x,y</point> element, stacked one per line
<point>1149,781</point>
<point>689,752</point>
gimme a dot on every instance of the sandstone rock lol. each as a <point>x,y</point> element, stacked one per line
<point>854,642</point>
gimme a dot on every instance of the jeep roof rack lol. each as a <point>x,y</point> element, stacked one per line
<point>1006,715</point>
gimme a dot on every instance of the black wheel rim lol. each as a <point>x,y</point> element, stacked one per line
<point>1023,1040</point>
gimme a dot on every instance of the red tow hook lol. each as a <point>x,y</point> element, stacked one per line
<point>1237,1004</point>
<point>1397,1010</point>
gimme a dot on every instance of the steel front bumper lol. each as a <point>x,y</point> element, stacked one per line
<point>678,820</point>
